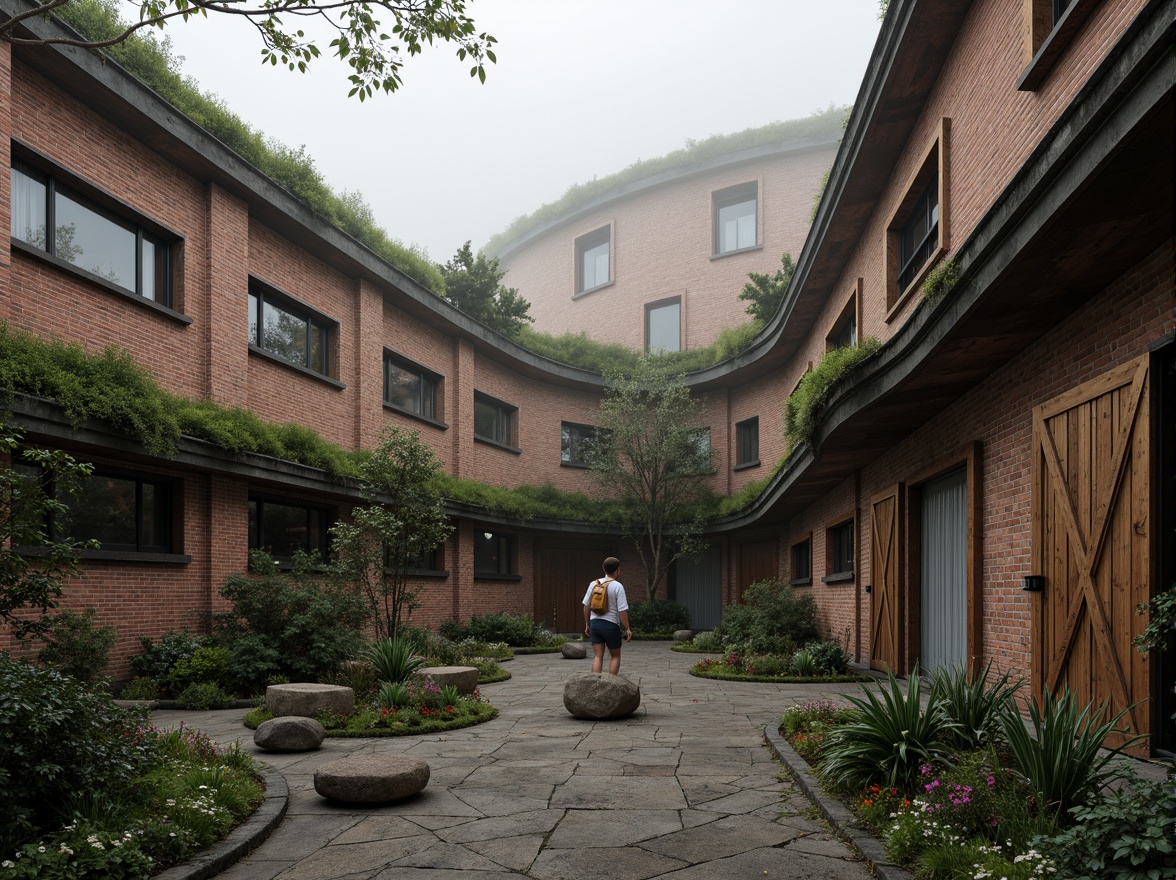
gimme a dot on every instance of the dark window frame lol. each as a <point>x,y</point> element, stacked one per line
<point>585,433</point>
<point>729,197</point>
<point>747,443</point>
<point>656,306</point>
<point>913,255</point>
<point>506,417</point>
<point>432,389</point>
<point>506,567</point>
<point>801,554</point>
<point>846,331</point>
<point>256,525</point>
<point>263,293</point>
<point>585,243</point>
<point>840,551</point>
<point>56,181</point>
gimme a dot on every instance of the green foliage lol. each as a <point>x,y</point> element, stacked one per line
<point>1161,612</point>
<point>802,409</point>
<point>772,620</point>
<point>941,280</point>
<point>33,565</point>
<point>820,193</point>
<point>392,695</point>
<point>150,59</point>
<point>157,660</point>
<point>297,624</point>
<point>708,641</point>
<point>892,736</point>
<point>81,851</point>
<point>803,663</point>
<point>203,695</point>
<point>56,738</point>
<point>77,647</point>
<point>209,665</point>
<point>1125,834</point>
<point>821,122</point>
<point>974,703</point>
<point>647,455</point>
<point>765,293</point>
<point>403,518</point>
<point>450,695</point>
<point>513,629</point>
<point>829,657</point>
<point>475,287</point>
<point>359,675</point>
<point>140,689</point>
<point>658,616</point>
<point>1064,761</point>
<point>395,658</point>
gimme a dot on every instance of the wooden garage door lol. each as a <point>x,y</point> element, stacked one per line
<point>886,569</point>
<point>1091,541</point>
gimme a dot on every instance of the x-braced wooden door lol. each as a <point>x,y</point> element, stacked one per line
<point>886,570</point>
<point>1091,497</point>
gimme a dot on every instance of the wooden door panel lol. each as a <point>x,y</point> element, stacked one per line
<point>1091,541</point>
<point>886,569</point>
<point>757,562</point>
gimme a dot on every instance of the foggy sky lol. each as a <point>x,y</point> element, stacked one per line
<point>581,89</point>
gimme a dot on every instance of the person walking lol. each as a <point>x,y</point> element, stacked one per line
<point>604,627</point>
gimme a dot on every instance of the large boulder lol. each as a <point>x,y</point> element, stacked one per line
<point>574,650</point>
<point>598,695</point>
<point>371,779</point>
<point>289,733</point>
<point>464,678</point>
<point>308,699</point>
<point>683,635</point>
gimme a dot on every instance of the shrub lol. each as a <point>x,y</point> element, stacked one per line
<point>514,629</point>
<point>392,695</point>
<point>708,641</point>
<point>359,675</point>
<point>1064,761</point>
<point>829,657</point>
<point>974,704</point>
<point>209,665</point>
<point>803,664</point>
<point>140,689</point>
<point>295,624</point>
<point>773,621</point>
<point>768,665</point>
<point>77,647</point>
<point>203,695</point>
<point>55,739</point>
<point>157,660</point>
<point>658,616</point>
<point>802,409</point>
<point>395,659</point>
<point>889,740</point>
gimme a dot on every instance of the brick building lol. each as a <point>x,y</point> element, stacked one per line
<point>996,482</point>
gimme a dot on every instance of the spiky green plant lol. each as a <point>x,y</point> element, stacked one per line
<point>892,736</point>
<point>392,695</point>
<point>973,703</point>
<point>395,659</point>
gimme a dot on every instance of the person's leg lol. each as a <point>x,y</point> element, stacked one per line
<point>614,660</point>
<point>597,656</point>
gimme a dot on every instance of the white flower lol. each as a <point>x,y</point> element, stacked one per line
<point>7,863</point>
<point>40,849</point>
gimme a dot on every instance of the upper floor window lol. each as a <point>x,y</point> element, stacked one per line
<point>845,329</point>
<point>918,237</point>
<point>663,325</point>
<point>494,421</point>
<point>840,549</point>
<point>493,554</point>
<point>735,218</point>
<point>695,450</point>
<point>282,528</point>
<point>49,216</point>
<point>573,443</point>
<point>410,388</point>
<point>1049,29</point>
<point>592,259</point>
<point>747,442</point>
<point>290,330</point>
<point>802,561</point>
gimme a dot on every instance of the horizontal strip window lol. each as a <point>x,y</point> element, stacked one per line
<point>410,388</point>
<point>50,217</point>
<point>289,330</point>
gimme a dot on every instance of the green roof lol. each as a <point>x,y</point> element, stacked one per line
<point>828,122</point>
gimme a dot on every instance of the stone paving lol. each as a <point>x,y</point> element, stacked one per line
<point>683,789</point>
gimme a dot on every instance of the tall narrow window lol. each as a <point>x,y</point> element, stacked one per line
<point>840,549</point>
<point>802,561</point>
<point>663,325</point>
<point>918,238</point>
<point>50,217</point>
<point>493,554</point>
<point>410,388</point>
<point>845,328</point>
<point>494,420</point>
<point>917,233</point>
<point>593,252</point>
<point>289,330</point>
<point>735,218</point>
<point>747,442</point>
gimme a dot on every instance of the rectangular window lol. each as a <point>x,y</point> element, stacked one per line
<point>735,218</point>
<point>695,450</point>
<point>663,325</point>
<point>289,330</point>
<point>282,528</point>
<point>49,216</point>
<point>493,420</point>
<point>802,562</point>
<point>428,561</point>
<point>493,554</point>
<point>841,549</point>
<point>845,329</point>
<point>917,234</point>
<point>592,260</point>
<point>747,442</point>
<point>410,388</point>
<point>573,443</point>
<point>918,237</point>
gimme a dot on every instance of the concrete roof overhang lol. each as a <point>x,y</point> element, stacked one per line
<point>1093,199</point>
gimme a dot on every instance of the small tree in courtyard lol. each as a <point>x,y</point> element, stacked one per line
<point>651,452</point>
<point>402,522</point>
<point>34,564</point>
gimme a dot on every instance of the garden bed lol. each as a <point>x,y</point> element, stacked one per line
<point>367,721</point>
<point>720,673</point>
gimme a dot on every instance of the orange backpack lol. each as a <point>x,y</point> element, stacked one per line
<point>598,601</point>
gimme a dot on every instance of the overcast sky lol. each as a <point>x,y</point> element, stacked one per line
<point>582,88</point>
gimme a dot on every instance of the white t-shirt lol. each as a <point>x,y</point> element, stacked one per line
<point>616,601</point>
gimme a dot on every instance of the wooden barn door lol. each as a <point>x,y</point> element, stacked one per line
<point>1091,541</point>
<point>757,562</point>
<point>886,569</point>
<point>562,574</point>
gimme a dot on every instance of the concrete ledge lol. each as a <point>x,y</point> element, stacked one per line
<point>242,840</point>
<point>843,822</point>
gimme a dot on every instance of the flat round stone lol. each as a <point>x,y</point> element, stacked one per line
<point>371,779</point>
<point>464,678</point>
<point>290,733</point>
<point>308,699</point>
